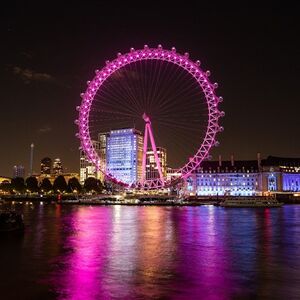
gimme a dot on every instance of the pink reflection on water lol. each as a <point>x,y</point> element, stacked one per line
<point>145,253</point>
<point>267,232</point>
<point>121,259</point>
<point>153,260</point>
<point>205,269</point>
<point>81,277</point>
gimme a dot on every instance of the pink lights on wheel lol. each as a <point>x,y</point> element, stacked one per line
<point>170,56</point>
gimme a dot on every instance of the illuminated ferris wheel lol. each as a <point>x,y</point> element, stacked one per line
<point>166,98</point>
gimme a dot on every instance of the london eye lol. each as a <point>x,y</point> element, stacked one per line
<point>159,114</point>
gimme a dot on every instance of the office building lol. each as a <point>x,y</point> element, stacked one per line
<point>46,164</point>
<point>87,168</point>
<point>18,171</point>
<point>102,139</point>
<point>57,167</point>
<point>151,167</point>
<point>124,152</point>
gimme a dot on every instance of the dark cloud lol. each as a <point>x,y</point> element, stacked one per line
<point>28,75</point>
<point>44,129</point>
<point>26,54</point>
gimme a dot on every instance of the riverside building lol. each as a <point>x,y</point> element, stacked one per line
<point>225,177</point>
<point>280,174</point>
<point>246,177</point>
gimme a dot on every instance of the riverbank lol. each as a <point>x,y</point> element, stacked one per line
<point>35,201</point>
<point>117,200</point>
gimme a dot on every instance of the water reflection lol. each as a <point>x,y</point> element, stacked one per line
<point>121,262</point>
<point>121,252</point>
<point>155,252</point>
<point>80,274</point>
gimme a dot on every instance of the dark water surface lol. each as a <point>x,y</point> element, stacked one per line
<point>121,252</point>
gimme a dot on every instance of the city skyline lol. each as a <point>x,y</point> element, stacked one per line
<point>41,97</point>
<point>149,150</point>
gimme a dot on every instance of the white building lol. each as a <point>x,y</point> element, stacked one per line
<point>87,168</point>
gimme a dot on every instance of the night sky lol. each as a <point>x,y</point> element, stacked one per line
<point>48,54</point>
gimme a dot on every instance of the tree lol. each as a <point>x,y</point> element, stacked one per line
<point>32,184</point>
<point>74,185</point>
<point>5,186</point>
<point>60,184</point>
<point>107,186</point>
<point>46,185</point>
<point>93,184</point>
<point>18,184</point>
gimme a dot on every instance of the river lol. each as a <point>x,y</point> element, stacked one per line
<point>133,252</point>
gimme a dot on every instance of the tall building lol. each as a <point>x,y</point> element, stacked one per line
<point>46,164</point>
<point>57,167</point>
<point>124,153</point>
<point>87,168</point>
<point>31,159</point>
<point>18,171</point>
<point>151,167</point>
<point>102,139</point>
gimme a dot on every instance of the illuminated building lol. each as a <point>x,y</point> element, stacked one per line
<point>57,167</point>
<point>246,178</point>
<point>46,166</point>
<point>172,174</point>
<point>237,178</point>
<point>87,168</point>
<point>124,152</point>
<point>102,138</point>
<point>18,171</point>
<point>281,174</point>
<point>151,167</point>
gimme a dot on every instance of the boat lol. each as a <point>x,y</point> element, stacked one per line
<point>257,201</point>
<point>11,221</point>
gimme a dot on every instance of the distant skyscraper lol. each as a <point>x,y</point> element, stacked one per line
<point>151,167</point>
<point>57,167</point>
<point>124,152</point>
<point>87,168</point>
<point>46,166</point>
<point>18,171</point>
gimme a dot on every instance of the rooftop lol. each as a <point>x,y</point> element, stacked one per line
<point>281,161</point>
<point>226,166</point>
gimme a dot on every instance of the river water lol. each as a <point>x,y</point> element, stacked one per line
<point>123,252</point>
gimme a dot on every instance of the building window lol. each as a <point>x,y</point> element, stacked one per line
<point>272,185</point>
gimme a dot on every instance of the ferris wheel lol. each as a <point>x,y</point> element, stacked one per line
<point>162,94</point>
